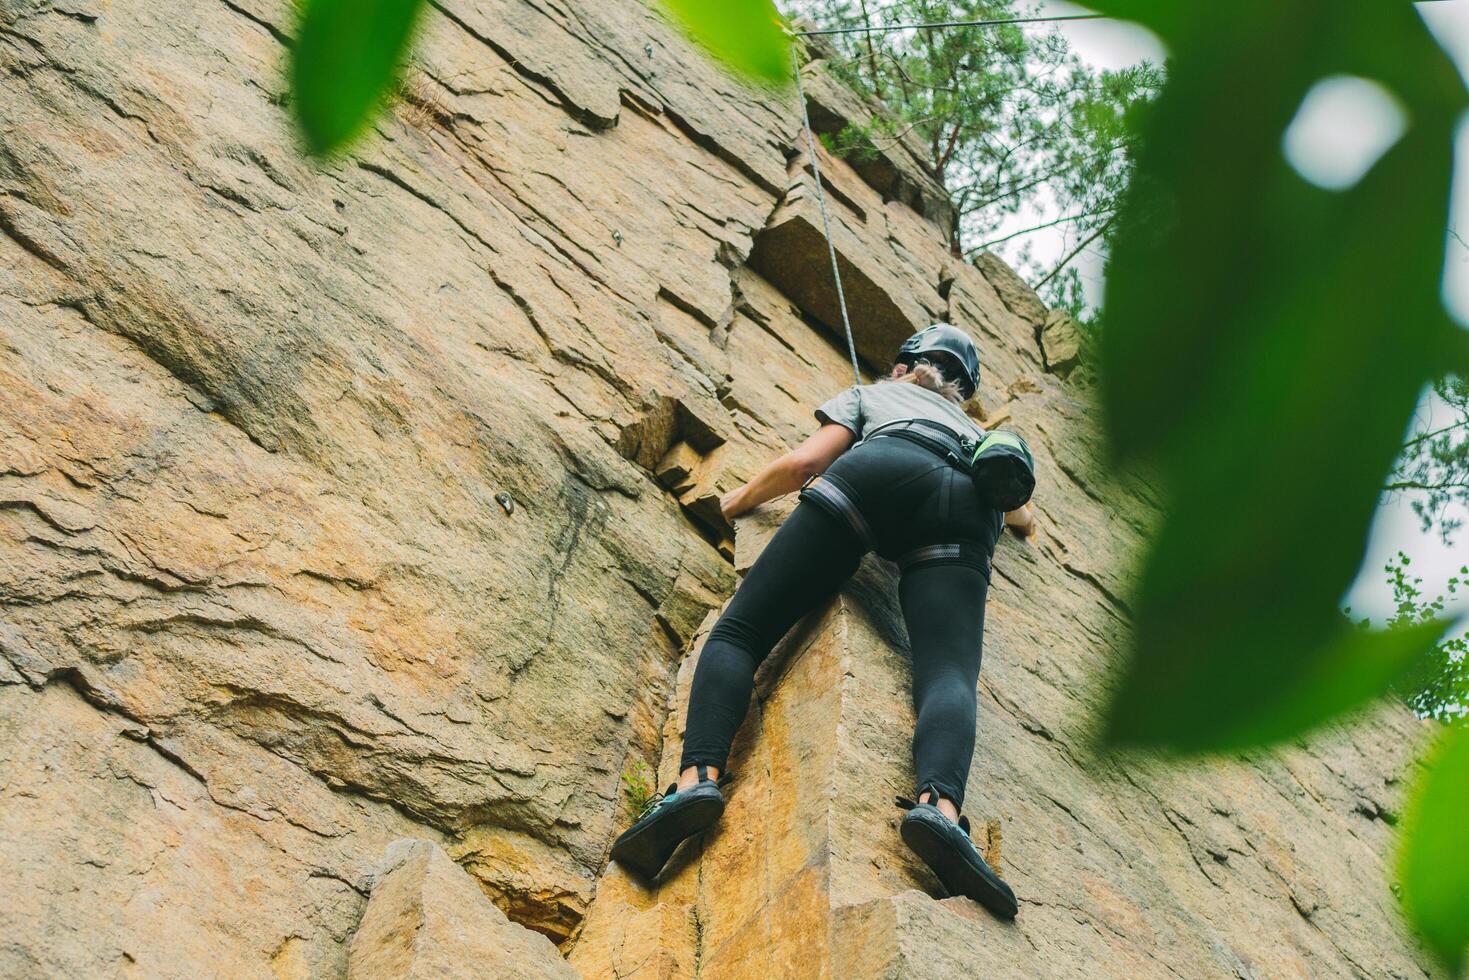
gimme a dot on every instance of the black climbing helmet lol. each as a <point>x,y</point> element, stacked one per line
<point>942,337</point>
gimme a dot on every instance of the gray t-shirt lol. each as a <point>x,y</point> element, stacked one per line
<point>863,408</point>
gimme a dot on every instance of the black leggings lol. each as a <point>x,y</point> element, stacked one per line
<point>910,507</point>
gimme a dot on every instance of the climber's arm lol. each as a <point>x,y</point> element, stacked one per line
<point>1022,519</point>
<point>788,472</point>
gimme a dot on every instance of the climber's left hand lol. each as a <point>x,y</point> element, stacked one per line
<point>1022,520</point>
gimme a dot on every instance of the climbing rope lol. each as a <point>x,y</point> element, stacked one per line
<point>831,249</point>
<point>836,272</point>
<point>885,29</point>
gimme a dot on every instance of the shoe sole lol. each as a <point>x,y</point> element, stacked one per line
<point>957,875</point>
<point>647,851</point>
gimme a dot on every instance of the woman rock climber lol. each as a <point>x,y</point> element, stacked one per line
<point>899,492</point>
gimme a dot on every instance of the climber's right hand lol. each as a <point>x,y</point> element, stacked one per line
<point>729,504</point>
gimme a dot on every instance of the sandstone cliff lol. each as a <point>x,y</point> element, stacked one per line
<point>378,500</point>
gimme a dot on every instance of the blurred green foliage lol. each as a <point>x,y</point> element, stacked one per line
<point>345,60</point>
<point>1434,866</point>
<point>747,35</point>
<point>348,54</point>
<point>1264,348</point>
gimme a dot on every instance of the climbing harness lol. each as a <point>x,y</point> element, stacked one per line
<point>836,273</point>
<point>831,491</point>
<point>951,553</point>
<point>836,496</point>
<point>934,436</point>
<point>1000,464</point>
<point>834,493</point>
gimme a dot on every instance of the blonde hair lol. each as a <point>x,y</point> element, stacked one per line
<point>926,377</point>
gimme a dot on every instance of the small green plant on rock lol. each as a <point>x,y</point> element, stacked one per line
<point>855,142</point>
<point>637,784</point>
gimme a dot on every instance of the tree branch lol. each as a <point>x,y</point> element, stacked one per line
<point>1416,440</point>
<point>1431,487</point>
<point>1077,251</point>
<point>1040,227</point>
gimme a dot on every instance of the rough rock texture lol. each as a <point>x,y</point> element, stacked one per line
<point>347,503</point>
<point>893,166</point>
<point>1060,341</point>
<point>428,920</point>
<point>1256,867</point>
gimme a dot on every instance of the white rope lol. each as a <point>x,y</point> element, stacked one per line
<point>939,25</point>
<point>825,221</point>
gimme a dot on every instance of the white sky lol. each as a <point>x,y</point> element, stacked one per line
<point>1342,135</point>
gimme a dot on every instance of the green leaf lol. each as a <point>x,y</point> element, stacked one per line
<point>1210,705</point>
<point>747,35</point>
<point>346,58</point>
<point>1265,347</point>
<point>1433,863</point>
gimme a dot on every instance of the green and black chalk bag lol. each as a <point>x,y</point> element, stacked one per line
<point>1003,471</point>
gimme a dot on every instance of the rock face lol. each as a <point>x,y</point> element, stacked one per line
<point>1061,343</point>
<point>428,920</point>
<point>1256,867</point>
<point>377,500</point>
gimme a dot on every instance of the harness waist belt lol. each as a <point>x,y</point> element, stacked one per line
<point>933,436</point>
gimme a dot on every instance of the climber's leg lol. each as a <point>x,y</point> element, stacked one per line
<point>811,555</point>
<point>943,607</point>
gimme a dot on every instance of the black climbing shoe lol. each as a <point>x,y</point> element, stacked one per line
<point>947,848</point>
<point>668,818</point>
